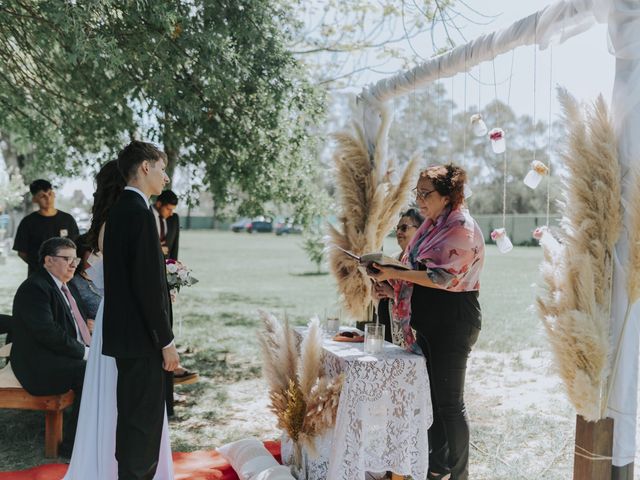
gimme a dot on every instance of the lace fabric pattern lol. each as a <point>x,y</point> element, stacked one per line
<point>383,415</point>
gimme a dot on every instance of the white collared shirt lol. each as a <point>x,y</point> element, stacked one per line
<point>66,300</point>
<point>159,219</point>
<point>139,192</point>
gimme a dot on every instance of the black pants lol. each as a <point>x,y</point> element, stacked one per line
<point>141,406</point>
<point>447,330</point>
<point>168,390</point>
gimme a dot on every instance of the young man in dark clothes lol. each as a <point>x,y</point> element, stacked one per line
<point>46,223</point>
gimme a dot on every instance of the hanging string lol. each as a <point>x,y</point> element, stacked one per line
<point>549,133</point>
<point>504,155</point>
<point>464,130</point>
<point>437,89</point>
<point>414,114</point>
<point>479,87</point>
<point>452,149</point>
<point>535,85</point>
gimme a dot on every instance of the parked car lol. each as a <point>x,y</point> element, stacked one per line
<point>260,224</point>
<point>240,225</point>
<point>285,228</point>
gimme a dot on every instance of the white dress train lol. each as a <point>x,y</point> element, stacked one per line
<point>94,448</point>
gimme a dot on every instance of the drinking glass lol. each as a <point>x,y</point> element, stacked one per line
<point>333,325</point>
<point>373,337</point>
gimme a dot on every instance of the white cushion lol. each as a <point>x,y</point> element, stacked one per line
<point>5,351</point>
<point>248,457</point>
<point>8,379</point>
<point>281,472</point>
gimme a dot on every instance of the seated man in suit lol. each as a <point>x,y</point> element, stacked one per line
<point>50,337</point>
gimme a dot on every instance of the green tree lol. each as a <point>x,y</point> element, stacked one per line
<point>212,81</point>
<point>314,246</point>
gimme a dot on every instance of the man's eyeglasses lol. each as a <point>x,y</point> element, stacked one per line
<point>73,261</point>
<point>404,227</point>
<point>422,195</point>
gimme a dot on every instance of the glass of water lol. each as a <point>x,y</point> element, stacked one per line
<point>373,337</point>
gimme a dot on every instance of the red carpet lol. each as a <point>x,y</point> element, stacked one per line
<point>201,465</point>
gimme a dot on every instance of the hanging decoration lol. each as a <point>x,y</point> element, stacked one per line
<point>478,126</point>
<point>538,171</point>
<point>498,142</point>
<point>499,235</point>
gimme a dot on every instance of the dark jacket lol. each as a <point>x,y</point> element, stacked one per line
<point>136,301</point>
<point>44,336</point>
<point>172,238</point>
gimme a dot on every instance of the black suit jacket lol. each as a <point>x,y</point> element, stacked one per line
<point>44,335</point>
<point>172,237</point>
<point>136,301</point>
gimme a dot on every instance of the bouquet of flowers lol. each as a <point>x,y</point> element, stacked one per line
<point>178,275</point>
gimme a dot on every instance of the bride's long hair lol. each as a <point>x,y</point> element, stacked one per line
<point>109,185</point>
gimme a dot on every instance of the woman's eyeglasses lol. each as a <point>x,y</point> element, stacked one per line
<point>422,195</point>
<point>404,227</point>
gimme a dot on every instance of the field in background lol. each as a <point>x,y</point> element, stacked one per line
<point>521,424</point>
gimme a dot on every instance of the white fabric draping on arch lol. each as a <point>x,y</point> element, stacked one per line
<point>623,17</point>
<point>557,23</point>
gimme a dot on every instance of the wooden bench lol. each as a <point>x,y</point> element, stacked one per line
<point>52,405</point>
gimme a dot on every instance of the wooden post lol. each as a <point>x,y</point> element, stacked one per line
<point>593,449</point>
<point>622,473</point>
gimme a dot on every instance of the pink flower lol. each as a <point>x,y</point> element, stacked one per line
<point>538,232</point>
<point>498,233</point>
<point>496,134</point>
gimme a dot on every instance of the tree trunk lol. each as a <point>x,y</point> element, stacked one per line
<point>172,161</point>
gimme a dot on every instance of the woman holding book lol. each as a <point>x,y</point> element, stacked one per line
<point>438,297</point>
<point>408,225</point>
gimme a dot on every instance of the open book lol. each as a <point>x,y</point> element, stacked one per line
<point>377,257</point>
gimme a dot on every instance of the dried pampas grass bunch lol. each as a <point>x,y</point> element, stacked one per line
<point>369,206</point>
<point>576,307</point>
<point>633,273</point>
<point>303,398</point>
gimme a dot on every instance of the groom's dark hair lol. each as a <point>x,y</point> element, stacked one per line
<point>131,156</point>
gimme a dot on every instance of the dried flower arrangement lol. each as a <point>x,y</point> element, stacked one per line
<point>369,206</point>
<point>576,306</point>
<point>303,398</point>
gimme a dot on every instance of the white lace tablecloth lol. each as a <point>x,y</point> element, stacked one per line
<point>383,415</point>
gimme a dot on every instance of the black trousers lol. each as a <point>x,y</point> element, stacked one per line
<point>141,406</point>
<point>448,325</point>
<point>168,390</point>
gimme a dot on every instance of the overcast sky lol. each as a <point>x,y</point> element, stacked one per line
<point>582,64</point>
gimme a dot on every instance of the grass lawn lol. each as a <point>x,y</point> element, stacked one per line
<point>240,273</point>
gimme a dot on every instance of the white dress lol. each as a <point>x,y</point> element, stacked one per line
<point>94,448</point>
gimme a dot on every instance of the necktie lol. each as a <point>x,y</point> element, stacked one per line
<point>163,232</point>
<point>82,326</point>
